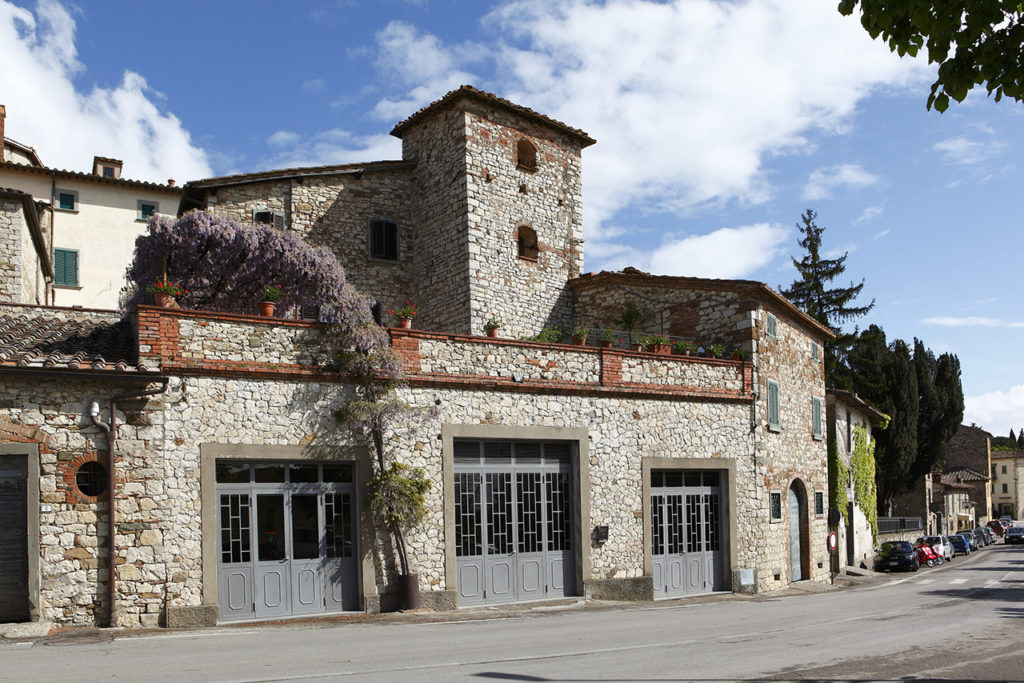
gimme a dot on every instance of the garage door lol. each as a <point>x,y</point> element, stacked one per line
<point>513,521</point>
<point>14,604</point>
<point>686,532</point>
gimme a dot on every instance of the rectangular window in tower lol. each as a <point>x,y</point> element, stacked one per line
<point>384,240</point>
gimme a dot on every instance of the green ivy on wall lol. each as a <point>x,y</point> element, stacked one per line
<point>865,491</point>
<point>838,475</point>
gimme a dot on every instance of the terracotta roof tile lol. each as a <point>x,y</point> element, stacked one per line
<point>492,99</point>
<point>68,339</point>
<point>91,177</point>
<point>283,173</point>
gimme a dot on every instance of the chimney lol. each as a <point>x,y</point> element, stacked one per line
<point>170,182</point>
<point>3,117</point>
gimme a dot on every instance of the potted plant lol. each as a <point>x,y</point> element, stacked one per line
<point>683,347</point>
<point>739,353</point>
<point>579,335</point>
<point>404,314</point>
<point>491,326</point>
<point>716,350</point>
<point>628,321</point>
<point>656,343</point>
<point>398,500</point>
<point>639,342</point>
<point>165,292</point>
<point>268,300</point>
<point>607,337</point>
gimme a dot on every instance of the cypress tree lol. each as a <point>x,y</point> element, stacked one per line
<point>940,408</point>
<point>1020,439</point>
<point>829,306</point>
<point>1013,439</point>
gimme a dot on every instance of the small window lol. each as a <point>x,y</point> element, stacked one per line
<point>65,267</point>
<point>815,352</point>
<point>309,312</point>
<point>91,478</point>
<point>1004,469</point>
<point>1006,488</point>
<point>67,200</point>
<point>526,241</point>
<point>775,503</point>
<point>384,240</point>
<point>147,210</point>
<point>773,406</point>
<point>108,171</point>
<point>819,503</point>
<point>271,218</point>
<point>526,155</point>
<point>816,418</point>
<point>771,326</point>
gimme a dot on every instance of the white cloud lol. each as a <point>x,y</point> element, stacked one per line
<point>67,126</point>
<point>313,85</point>
<point>965,152</point>
<point>997,411</point>
<point>724,253</point>
<point>880,235</point>
<point>970,321</point>
<point>867,215</point>
<point>282,138</point>
<point>335,146</point>
<point>823,182</point>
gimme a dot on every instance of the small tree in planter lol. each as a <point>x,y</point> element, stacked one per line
<point>398,501</point>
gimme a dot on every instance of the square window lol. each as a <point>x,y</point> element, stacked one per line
<point>773,406</point>
<point>819,503</point>
<point>271,218</point>
<point>65,267</point>
<point>147,209</point>
<point>771,326</point>
<point>67,200</point>
<point>775,503</point>
<point>384,240</point>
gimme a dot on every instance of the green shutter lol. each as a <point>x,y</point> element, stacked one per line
<point>773,404</point>
<point>816,417</point>
<point>772,326</point>
<point>65,267</point>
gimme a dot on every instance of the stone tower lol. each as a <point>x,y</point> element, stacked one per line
<point>498,213</point>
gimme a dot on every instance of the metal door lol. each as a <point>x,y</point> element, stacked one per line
<point>795,570</point>
<point>14,603</point>
<point>271,573</point>
<point>512,521</point>
<point>686,554</point>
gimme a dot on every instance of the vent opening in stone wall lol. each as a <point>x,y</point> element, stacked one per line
<point>526,240</point>
<point>384,239</point>
<point>526,155</point>
<point>272,218</point>
<point>91,478</point>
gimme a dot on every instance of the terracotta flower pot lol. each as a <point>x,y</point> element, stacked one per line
<point>405,323</point>
<point>163,300</point>
<point>636,347</point>
<point>579,339</point>
<point>606,343</point>
<point>267,308</point>
<point>492,333</point>
<point>662,348</point>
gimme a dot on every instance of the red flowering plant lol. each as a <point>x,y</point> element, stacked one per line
<point>166,287</point>
<point>406,312</point>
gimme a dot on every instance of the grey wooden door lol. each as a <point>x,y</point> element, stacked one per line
<point>14,603</point>
<point>795,570</point>
<point>513,521</point>
<point>686,543</point>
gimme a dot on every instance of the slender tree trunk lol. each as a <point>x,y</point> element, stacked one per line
<point>378,445</point>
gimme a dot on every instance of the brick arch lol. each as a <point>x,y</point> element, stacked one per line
<point>800,489</point>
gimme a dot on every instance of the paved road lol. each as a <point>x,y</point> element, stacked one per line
<point>964,620</point>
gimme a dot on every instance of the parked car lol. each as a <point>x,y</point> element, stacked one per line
<point>940,544</point>
<point>1007,518</point>
<point>961,546</point>
<point>897,555</point>
<point>990,536</point>
<point>1014,535</point>
<point>997,527</point>
<point>971,539</point>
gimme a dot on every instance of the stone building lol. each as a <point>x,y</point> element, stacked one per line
<point>1008,484</point>
<point>90,222</point>
<point>557,469</point>
<point>970,454</point>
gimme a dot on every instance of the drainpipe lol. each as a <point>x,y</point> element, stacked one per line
<point>110,430</point>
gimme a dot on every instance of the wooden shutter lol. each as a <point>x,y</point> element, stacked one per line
<point>816,417</point>
<point>773,404</point>
<point>65,267</point>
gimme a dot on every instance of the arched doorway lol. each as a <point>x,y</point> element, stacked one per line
<point>797,532</point>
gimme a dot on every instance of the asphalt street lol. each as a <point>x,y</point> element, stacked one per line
<point>964,620</point>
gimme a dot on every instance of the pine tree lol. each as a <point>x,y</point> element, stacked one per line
<point>829,306</point>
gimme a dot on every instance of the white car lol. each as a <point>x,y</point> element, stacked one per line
<point>941,545</point>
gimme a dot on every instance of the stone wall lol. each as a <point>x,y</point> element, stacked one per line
<point>335,211</point>
<point>12,230</point>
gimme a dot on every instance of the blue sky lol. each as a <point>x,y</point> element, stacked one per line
<point>718,124</point>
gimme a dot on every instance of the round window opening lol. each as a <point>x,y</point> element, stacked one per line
<point>91,478</point>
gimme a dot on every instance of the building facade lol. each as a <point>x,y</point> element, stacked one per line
<point>556,469</point>
<point>1008,484</point>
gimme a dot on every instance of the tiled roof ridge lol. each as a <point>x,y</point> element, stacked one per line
<point>81,175</point>
<point>491,98</point>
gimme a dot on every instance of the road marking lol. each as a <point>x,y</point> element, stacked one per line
<point>1007,575</point>
<point>923,581</point>
<point>957,582</point>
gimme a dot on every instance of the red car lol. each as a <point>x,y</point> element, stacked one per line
<point>997,526</point>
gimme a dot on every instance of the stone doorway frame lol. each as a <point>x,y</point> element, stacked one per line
<point>31,452</point>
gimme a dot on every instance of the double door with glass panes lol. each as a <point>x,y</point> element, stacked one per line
<point>686,532</point>
<point>513,521</point>
<point>287,539</point>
